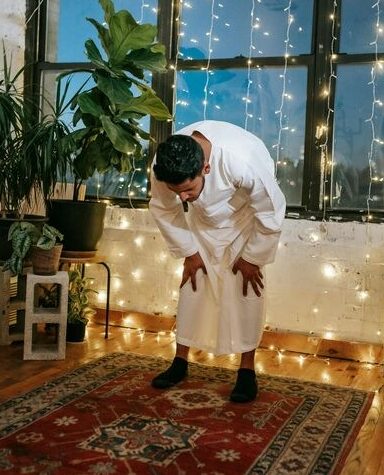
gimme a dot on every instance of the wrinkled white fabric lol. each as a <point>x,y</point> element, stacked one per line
<point>239,213</point>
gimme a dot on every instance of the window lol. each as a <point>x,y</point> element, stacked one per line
<point>306,76</point>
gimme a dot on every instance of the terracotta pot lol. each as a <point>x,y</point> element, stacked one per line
<point>46,261</point>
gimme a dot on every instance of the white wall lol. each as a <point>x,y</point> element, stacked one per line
<point>328,278</point>
<point>12,31</point>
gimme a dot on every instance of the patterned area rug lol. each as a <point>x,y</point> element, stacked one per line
<point>104,418</point>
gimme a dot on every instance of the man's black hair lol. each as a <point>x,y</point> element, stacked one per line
<point>179,158</point>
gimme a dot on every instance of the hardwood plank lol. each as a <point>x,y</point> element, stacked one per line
<point>366,457</point>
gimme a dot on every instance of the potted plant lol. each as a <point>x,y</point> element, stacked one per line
<point>39,244</point>
<point>107,115</point>
<point>79,310</point>
<point>35,150</point>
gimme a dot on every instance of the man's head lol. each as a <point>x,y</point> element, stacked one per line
<point>179,158</point>
<point>180,163</point>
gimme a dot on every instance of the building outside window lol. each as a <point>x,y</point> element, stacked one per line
<point>306,76</point>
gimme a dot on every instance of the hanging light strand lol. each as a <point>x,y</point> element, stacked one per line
<point>370,120</point>
<point>179,36</point>
<point>280,111</point>
<point>34,11</point>
<point>249,64</point>
<point>141,19</point>
<point>206,86</point>
<point>324,129</point>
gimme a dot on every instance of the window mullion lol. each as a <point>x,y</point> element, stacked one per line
<point>323,92</point>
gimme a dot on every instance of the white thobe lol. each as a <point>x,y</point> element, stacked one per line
<point>238,213</point>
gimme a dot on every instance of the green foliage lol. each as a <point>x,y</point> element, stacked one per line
<point>35,146</point>
<point>110,111</point>
<point>23,235</point>
<point>78,298</point>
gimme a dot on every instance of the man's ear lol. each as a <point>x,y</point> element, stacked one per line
<point>206,168</point>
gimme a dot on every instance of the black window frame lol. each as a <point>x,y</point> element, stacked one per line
<point>325,42</point>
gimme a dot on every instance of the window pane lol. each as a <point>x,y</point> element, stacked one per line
<point>229,27</point>
<point>253,102</point>
<point>358,141</point>
<point>68,28</point>
<point>358,26</point>
<point>121,185</point>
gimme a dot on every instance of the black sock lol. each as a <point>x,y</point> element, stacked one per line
<point>173,375</point>
<point>245,389</point>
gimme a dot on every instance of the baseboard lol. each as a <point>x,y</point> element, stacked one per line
<point>273,340</point>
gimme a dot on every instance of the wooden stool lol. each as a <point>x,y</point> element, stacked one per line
<point>34,315</point>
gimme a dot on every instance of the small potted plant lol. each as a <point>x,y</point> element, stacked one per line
<point>79,311</point>
<point>40,245</point>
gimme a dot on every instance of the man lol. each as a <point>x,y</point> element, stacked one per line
<point>231,230</point>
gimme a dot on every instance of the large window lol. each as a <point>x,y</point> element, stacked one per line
<point>306,76</point>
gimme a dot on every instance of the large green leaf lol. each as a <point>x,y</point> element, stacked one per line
<point>104,35</point>
<point>94,55</point>
<point>118,90</point>
<point>126,35</point>
<point>120,138</point>
<point>147,59</point>
<point>130,67</point>
<point>84,164</point>
<point>21,244</point>
<point>90,104</point>
<point>148,103</point>
<point>109,9</point>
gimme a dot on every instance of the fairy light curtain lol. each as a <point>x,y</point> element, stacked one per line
<point>268,101</point>
<point>356,157</point>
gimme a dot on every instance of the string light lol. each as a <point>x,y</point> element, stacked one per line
<point>323,129</point>
<point>34,11</point>
<point>249,64</point>
<point>376,65</point>
<point>279,112</point>
<point>207,77</point>
<point>143,5</point>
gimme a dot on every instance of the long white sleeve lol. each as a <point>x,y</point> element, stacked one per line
<point>168,212</point>
<point>267,203</point>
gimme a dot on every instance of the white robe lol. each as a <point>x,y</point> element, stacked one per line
<point>239,213</point>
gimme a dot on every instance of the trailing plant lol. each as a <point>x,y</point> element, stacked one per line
<point>23,235</point>
<point>79,310</point>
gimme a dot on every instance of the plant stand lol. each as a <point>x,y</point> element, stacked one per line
<point>35,315</point>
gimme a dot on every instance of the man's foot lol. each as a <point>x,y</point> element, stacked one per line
<point>173,375</point>
<point>245,389</point>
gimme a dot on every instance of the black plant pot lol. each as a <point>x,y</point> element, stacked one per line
<point>81,222</point>
<point>75,332</point>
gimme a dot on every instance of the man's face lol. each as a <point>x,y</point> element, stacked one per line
<point>189,190</point>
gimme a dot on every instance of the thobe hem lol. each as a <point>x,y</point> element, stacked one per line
<point>214,351</point>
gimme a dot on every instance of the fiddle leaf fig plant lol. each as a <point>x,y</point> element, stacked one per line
<point>107,116</point>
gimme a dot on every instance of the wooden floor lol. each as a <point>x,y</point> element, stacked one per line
<point>367,456</point>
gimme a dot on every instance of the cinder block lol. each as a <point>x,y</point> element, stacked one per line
<point>35,315</point>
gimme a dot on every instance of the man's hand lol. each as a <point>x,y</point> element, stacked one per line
<point>251,273</point>
<point>191,265</point>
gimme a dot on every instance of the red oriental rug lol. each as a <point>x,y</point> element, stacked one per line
<point>104,418</point>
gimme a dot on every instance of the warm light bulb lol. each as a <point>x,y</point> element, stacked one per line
<point>329,271</point>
